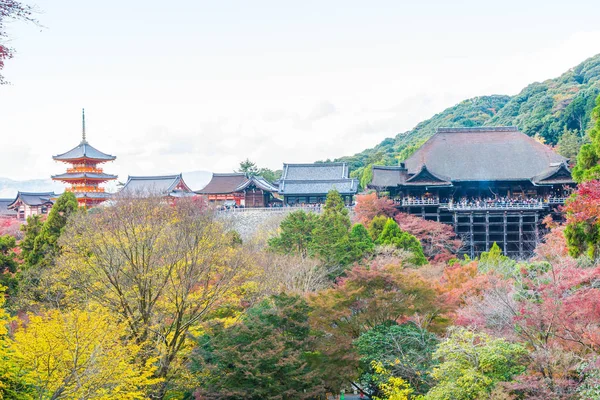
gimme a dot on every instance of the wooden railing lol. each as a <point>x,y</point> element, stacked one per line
<point>494,206</point>
<point>77,170</point>
<point>275,209</point>
<point>425,202</point>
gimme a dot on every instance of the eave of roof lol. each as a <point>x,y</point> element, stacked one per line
<point>84,151</point>
<point>82,175</point>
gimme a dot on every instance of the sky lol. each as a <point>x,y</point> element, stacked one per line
<point>187,85</point>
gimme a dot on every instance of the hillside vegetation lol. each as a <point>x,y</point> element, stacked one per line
<point>543,109</point>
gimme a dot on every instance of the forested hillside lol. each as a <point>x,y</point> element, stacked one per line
<point>544,109</point>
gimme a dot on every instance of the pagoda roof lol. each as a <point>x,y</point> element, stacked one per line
<point>161,185</point>
<point>84,150</point>
<point>33,199</point>
<point>483,154</point>
<point>84,175</point>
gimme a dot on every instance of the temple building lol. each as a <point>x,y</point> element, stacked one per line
<point>239,190</point>
<point>493,184</point>
<point>171,186</point>
<point>84,177</point>
<point>310,183</point>
<point>27,204</point>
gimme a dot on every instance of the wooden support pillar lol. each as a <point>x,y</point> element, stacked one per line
<point>471,238</point>
<point>438,213</point>
<point>505,241</point>
<point>487,231</point>
<point>455,215</point>
<point>423,212</point>
<point>521,234</point>
<point>537,229</point>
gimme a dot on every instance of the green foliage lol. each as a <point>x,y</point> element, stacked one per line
<point>587,167</point>
<point>471,364</point>
<point>376,226</point>
<point>494,260</point>
<point>361,241</point>
<point>8,263</point>
<point>45,240</point>
<point>367,176</point>
<point>266,355</point>
<point>406,349</point>
<point>569,144</point>
<point>295,233</point>
<point>393,235</point>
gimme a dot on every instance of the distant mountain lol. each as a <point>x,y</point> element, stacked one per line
<point>544,109</point>
<point>9,187</point>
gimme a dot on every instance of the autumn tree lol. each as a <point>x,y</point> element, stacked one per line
<point>439,241</point>
<point>10,10</point>
<point>161,268</point>
<point>582,227</point>
<point>266,355</point>
<point>12,384</point>
<point>80,354</point>
<point>369,206</point>
<point>362,300</point>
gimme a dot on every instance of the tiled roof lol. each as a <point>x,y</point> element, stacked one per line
<point>33,199</point>
<point>81,175</point>
<point>384,176</point>
<point>259,182</point>
<point>224,183</point>
<point>4,210</point>
<point>344,186</point>
<point>317,171</point>
<point>84,150</point>
<point>162,185</point>
<point>483,154</point>
<point>555,174</point>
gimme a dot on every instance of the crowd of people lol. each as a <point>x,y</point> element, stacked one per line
<point>482,202</point>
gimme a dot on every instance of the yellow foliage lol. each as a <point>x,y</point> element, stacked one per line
<point>80,355</point>
<point>392,387</point>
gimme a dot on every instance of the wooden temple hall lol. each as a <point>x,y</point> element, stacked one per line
<point>493,184</point>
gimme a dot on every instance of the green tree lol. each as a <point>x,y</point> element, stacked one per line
<point>8,263</point>
<point>471,364</point>
<point>495,260</point>
<point>361,241</point>
<point>331,235</point>
<point>31,231</point>
<point>569,144</point>
<point>376,226</point>
<point>45,247</point>
<point>587,167</point>
<point>405,349</point>
<point>393,235</point>
<point>266,355</point>
<point>295,233</point>
<point>248,167</point>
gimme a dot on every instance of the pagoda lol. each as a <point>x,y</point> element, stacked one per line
<point>84,176</point>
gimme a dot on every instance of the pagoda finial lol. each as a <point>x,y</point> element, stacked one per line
<point>83,126</point>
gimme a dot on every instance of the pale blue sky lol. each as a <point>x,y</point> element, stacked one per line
<point>172,86</point>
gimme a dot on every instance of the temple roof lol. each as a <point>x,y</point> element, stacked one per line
<point>160,185</point>
<point>84,150</point>
<point>483,154</point>
<point>235,182</point>
<point>4,210</point>
<point>344,186</point>
<point>317,171</point>
<point>224,183</point>
<point>318,178</point>
<point>33,199</point>
<point>84,175</point>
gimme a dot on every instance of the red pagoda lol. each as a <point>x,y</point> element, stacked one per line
<point>84,176</point>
